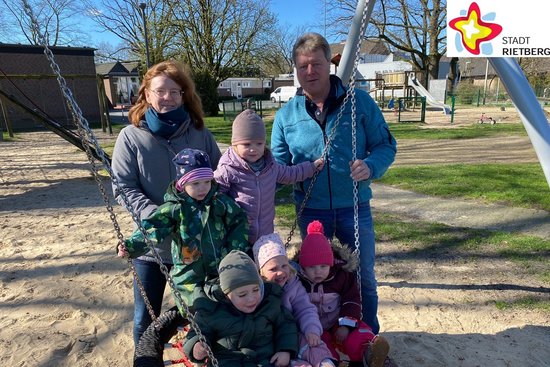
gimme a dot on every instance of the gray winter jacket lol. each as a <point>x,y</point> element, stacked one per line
<point>142,165</point>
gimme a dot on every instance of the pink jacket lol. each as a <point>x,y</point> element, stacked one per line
<point>255,191</point>
<point>296,300</point>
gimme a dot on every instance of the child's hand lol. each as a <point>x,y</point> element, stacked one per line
<point>341,334</point>
<point>280,359</point>
<point>319,164</point>
<point>199,351</point>
<point>313,340</point>
<point>122,251</point>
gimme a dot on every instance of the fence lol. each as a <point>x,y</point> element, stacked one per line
<point>232,108</point>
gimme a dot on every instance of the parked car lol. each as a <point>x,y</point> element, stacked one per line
<point>283,94</point>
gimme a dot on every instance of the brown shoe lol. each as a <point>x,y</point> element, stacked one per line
<point>376,352</point>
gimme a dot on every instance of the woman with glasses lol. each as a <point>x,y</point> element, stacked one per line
<point>166,118</point>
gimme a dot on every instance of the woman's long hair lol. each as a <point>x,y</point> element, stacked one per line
<point>181,75</point>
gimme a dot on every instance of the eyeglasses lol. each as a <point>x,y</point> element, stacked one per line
<point>174,93</point>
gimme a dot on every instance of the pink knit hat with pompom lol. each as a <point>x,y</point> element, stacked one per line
<point>316,249</point>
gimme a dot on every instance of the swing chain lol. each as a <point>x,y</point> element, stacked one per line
<point>354,142</point>
<point>87,135</point>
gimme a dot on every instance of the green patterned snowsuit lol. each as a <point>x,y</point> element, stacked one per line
<point>203,233</point>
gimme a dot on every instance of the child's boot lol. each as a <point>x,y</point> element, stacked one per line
<point>376,352</point>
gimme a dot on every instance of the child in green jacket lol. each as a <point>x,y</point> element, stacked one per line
<point>206,225</point>
<point>243,320</point>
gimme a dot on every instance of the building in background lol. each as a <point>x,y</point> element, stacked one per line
<point>121,82</point>
<point>26,76</point>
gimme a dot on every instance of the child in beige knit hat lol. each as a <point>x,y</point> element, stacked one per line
<point>271,258</point>
<point>248,172</point>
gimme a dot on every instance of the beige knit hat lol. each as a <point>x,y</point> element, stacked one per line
<point>267,247</point>
<point>247,126</point>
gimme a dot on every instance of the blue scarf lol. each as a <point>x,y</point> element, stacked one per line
<point>165,124</point>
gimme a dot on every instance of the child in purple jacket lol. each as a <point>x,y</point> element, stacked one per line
<point>272,261</point>
<point>248,173</point>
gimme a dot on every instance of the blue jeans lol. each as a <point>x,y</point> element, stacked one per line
<point>154,283</point>
<point>339,223</point>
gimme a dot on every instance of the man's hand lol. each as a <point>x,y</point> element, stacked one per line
<point>359,170</point>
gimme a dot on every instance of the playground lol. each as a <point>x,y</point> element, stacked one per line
<point>67,299</point>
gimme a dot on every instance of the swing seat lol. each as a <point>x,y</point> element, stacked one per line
<point>150,349</point>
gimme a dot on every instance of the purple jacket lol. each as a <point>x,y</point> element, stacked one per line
<point>296,300</point>
<point>255,191</point>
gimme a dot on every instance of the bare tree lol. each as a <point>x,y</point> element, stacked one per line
<point>107,52</point>
<point>277,58</point>
<point>220,37</point>
<point>123,18</point>
<point>413,27</point>
<point>58,22</point>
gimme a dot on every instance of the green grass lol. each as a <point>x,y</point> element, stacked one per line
<point>531,303</point>
<point>222,129</point>
<point>522,185</point>
<point>434,240</point>
<point>6,137</point>
<point>417,131</point>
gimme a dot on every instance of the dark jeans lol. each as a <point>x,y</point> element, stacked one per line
<point>154,283</point>
<point>339,223</point>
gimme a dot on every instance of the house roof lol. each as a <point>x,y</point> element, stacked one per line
<point>118,68</point>
<point>56,50</point>
<point>475,66</point>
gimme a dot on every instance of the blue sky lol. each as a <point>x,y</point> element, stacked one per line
<point>308,13</point>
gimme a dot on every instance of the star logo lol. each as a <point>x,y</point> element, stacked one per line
<point>473,30</point>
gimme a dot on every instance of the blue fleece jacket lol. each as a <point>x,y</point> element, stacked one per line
<point>297,137</point>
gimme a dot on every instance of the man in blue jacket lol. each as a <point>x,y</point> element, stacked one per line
<point>301,130</point>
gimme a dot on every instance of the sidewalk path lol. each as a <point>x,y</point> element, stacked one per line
<point>461,213</point>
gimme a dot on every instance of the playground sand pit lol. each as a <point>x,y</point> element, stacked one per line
<point>67,300</point>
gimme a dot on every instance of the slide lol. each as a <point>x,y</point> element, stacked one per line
<point>429,98</point>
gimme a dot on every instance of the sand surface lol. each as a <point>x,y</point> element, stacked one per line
<point>66,299</point>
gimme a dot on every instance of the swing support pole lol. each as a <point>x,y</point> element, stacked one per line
<point>353,41</point>
<point>529,109</point>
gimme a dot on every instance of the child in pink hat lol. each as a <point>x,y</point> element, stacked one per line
<point>331,282</point>
<point>272,261</point>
